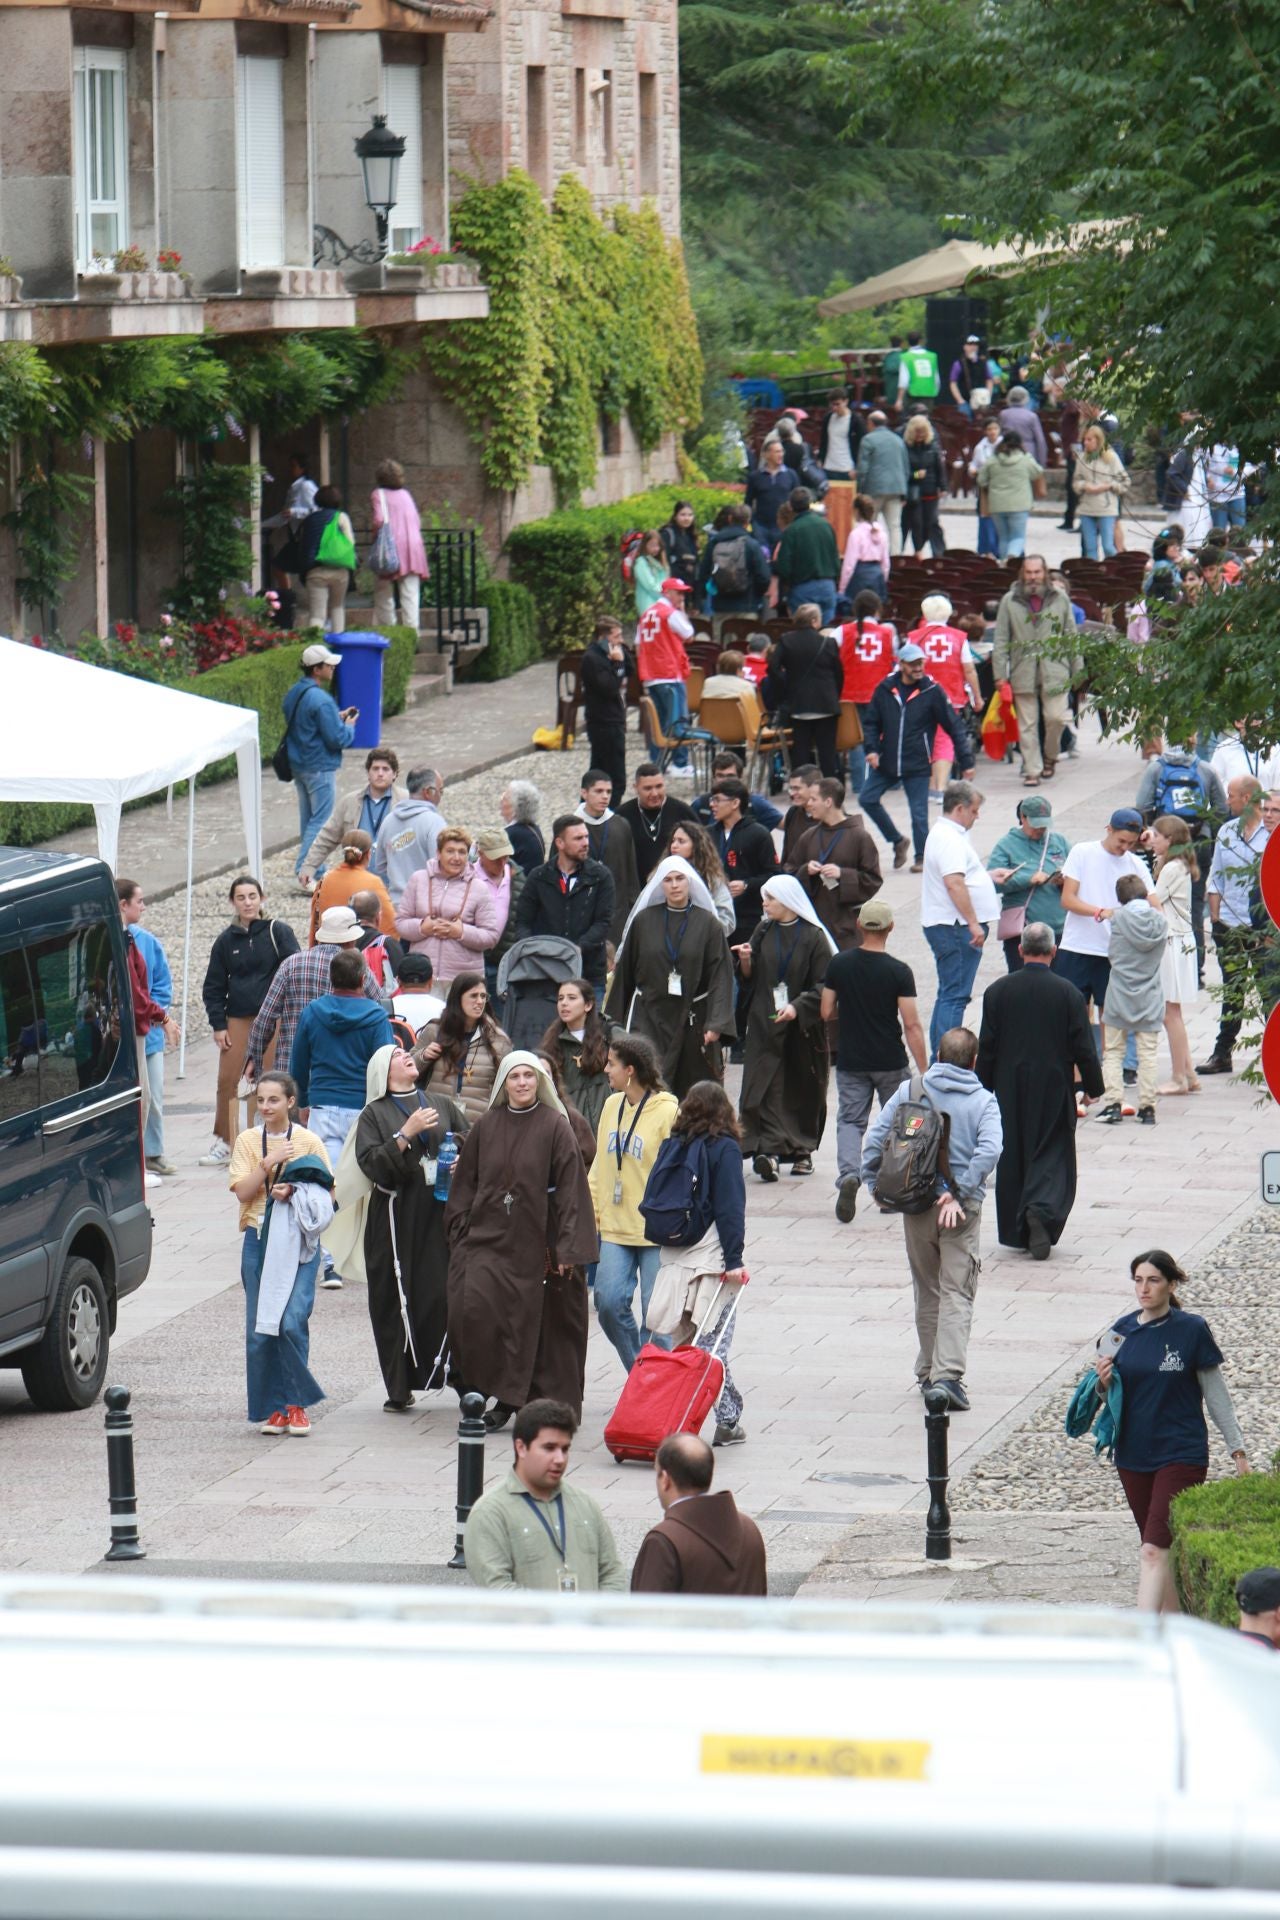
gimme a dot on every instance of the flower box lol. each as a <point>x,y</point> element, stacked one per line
<point>150,284</point>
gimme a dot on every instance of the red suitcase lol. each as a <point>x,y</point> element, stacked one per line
<point>666,1392</point>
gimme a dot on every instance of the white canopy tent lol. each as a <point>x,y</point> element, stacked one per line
<point>77,732</point>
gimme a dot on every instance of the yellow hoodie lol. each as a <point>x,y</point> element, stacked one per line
<point>643,1130</point>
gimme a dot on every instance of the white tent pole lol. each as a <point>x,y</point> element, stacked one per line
<point>186,934</point>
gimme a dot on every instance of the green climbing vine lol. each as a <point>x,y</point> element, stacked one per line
<point>587,318</point>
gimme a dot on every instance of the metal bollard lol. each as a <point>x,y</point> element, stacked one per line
<point>471,1436</point>
<point>937,1526</point>
<point>122,1487</point>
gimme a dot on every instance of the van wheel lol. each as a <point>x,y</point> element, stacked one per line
<point>67,1369</point>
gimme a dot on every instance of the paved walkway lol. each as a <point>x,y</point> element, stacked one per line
<point>824,1351</point>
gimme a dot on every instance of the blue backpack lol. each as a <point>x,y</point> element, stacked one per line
<point>1181,791</point>
<point>676,1208</point>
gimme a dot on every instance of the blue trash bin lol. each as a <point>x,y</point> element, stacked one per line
<point>360,680</point>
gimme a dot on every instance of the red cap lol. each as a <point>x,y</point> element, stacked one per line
<point>675,586</point>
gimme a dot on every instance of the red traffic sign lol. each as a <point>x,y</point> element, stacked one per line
<point>1269,878</point>
<point>1271,1052</point>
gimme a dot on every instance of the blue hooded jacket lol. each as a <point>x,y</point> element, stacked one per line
<point>337,1036</point>
<point>315,729</point>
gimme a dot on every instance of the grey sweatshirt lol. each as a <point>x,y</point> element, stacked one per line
<point>1135,997</point>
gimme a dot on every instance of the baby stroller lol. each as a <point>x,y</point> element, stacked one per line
<point>530,975</point>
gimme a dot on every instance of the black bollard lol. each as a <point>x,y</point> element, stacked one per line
<point>122,1487</point>
<point>937,1527</point>
<point>471,1435</point>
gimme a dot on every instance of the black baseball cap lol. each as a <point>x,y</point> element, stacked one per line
<point>1259,1590</point>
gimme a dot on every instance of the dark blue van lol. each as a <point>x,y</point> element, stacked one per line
<point>75,1233</point>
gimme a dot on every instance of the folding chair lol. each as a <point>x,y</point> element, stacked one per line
<point>666,745</point>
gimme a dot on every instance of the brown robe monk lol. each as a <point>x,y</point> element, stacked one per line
<point>850,847</point>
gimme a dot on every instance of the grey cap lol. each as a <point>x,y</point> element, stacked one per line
<point>910,652</point>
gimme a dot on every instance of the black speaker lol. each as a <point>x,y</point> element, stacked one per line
<point>947,325</point>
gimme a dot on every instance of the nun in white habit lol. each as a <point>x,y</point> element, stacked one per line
<point>673,979</point>
<point>783,1106</point>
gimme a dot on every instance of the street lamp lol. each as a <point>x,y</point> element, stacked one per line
<point>380,153</point>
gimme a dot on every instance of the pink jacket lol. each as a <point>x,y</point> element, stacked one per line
<point>429,895</point>
<point>406,525</point>
<point>867,541</point>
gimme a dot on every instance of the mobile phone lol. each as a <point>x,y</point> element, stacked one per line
<point>1110,1343</point>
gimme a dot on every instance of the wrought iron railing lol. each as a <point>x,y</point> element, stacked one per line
<point>451,556</point>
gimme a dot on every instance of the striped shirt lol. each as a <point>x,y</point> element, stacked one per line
<point>299,980</point>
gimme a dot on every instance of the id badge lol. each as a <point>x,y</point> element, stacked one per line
<point>617,1192</point>
<point>780,998</point>
<point>675,985</point>
<point>568,1581</point>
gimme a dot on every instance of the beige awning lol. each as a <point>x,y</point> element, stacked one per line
<point>938,272</point>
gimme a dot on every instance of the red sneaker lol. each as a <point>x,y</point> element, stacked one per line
<point>298,1422</point>
<point>278,1423</point>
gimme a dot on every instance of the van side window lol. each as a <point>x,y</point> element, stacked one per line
<point>78,1005</point>
<point>19,1039</point>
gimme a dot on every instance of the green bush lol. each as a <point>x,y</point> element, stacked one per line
<point>513,630</point>
<point>570,562</point>
<point>258,681</point>
<point>1220,1530</point>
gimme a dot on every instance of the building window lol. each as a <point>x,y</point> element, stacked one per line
<point>537,157</point>
<point>402,104</point>
<point>647,113</point>
<point>602,115</point>
<point>260,159</point>
<point>101,154</point>
<point>580,116</point>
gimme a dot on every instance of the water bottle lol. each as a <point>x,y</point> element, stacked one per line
<point>446,1160</point>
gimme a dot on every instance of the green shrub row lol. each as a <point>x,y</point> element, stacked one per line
<point>258,681</point>
<point>1220,1530</point>
<point>513,630</point>
<point>570,562</point>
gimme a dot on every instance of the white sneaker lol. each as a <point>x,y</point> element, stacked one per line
<point>218,1155</point>
<point>680,773</point>
<point>150,1180</point>
<point>331,1280</point>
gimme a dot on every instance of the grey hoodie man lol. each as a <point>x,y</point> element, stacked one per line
<point>407,840</point>
<point>942,1244</point>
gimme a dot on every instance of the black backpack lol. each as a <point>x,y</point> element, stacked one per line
<point>676,1208</point>
<point>729,568</point>
<point>915,1153</point>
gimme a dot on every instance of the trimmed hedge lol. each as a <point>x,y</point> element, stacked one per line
<point>1220,1530</point>
<point>571,561</point>
<point>513,630</point>
<point>259,681</point>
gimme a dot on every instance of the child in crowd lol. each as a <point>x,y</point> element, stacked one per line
<point>1135,998</point>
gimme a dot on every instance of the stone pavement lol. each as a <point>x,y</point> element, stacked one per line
<point>475,727</point>
<point>823,1354</point>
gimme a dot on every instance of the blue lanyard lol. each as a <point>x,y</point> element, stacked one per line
<point>535,1506</point>
<point>602,828</point>
<point>783,964</point>
<point>673,952</point>
<point>824,853</point>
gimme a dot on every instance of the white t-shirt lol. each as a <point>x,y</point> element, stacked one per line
<point>949,850</point>
<point>416,1008</point>
<point>1097,872</point>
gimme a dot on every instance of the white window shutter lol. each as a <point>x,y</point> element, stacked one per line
<point>101,146</point>
<point>402,104</point>
<point>260,160</point>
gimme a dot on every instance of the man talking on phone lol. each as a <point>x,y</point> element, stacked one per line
<point>315,734</point>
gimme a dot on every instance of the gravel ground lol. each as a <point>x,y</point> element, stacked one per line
<point>1039,1470</point>
<point>472,803</point>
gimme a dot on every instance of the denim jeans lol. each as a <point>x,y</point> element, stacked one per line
<point>856,771</point>
<point>855,1093</point>
<point>1095,529</point>
<point>1228,513</point>
<point>818,593</point>
<point>867,577</point>
<point>988,539</point>
<point>317,792</point>
<point>1011,533</point>
<point>617,1271</point>
<point>276,1364</point>
<point>153,1137</point>
<point>672,702</point>
<point>917,791</point>
<point>957,963</point>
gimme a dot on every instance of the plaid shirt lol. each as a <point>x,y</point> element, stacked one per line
<point>299,980</point>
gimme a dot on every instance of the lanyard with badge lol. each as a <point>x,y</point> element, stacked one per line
<point>622,1141</point>
<point>273,1173</point>
<point>781,998</point>
<point>675,985</point>
<point>568,1581</point>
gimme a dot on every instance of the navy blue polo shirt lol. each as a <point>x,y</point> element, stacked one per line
<point>1162,1424</point>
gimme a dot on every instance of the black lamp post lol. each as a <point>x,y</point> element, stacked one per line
<point>380,153</point>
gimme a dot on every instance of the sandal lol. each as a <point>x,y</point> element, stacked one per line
<point>1174,1086</point>
<point>802,1164</point>
<point>1050,768</point>
<point>1031,779</point>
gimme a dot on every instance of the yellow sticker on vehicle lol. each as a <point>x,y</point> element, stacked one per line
<point>803,1759</point>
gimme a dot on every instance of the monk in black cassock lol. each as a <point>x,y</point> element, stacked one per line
<point>674,936</point>
<point>785,1065</point>
<point>521,1228</point>
<point>1035,1035</point>
<point>391,1226</point>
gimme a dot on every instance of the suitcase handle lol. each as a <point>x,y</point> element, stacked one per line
<point>711,1352</point>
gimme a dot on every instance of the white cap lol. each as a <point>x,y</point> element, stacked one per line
<point>320,656</point>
